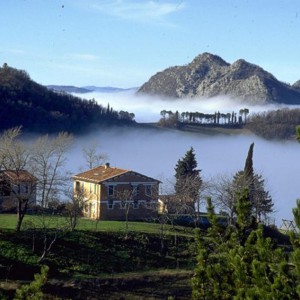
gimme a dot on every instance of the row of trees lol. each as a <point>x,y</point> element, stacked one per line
<point>274,124</point>
<point>217,118</point>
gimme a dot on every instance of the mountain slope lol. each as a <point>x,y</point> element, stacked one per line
<point>25,103</point>
<point>209,76</point>
<point>87,89</point>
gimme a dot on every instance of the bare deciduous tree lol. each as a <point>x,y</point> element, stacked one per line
<point>74,208</point>
<point>47,163</point>
<point>92,157</point>
<point>226,188</point>
<point>14,157</point>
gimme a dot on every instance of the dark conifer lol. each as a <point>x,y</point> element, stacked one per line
<point>188,179</point>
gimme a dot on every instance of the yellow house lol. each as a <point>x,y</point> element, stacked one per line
<point>117,194</point>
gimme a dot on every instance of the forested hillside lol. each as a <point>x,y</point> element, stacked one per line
<point>26,103</point>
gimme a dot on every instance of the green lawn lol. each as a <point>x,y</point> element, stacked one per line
<point>8,221</point>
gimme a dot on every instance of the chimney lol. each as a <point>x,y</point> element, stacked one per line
<point>107,165</point>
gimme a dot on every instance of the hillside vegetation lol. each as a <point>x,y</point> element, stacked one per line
<point>100,261</point>
<point>25,103</point>
<point>275,124</point>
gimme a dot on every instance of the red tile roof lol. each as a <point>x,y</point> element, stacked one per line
<point>100,174</point>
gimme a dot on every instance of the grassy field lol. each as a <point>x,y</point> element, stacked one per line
<point>9,221</point>
<point>98,260</point>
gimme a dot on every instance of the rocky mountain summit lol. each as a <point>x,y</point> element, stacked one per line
<point>209,75</point>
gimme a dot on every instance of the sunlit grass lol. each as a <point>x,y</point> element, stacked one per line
<point>9,221</point>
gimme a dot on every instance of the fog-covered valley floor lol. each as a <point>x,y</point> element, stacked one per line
<point>155,153</point>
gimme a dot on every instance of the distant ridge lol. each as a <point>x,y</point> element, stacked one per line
<point>87,89</point>
<point>209,76</point>
<point>39,109</point>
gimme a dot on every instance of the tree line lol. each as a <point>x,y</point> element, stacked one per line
<point>28,104</point>
<point>218,118</point>
<point>273,124</point>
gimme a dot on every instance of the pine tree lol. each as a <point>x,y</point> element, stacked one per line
<point>33,291</point>
<point>262,202</point>
<point>212,278</point>
<point>188,179</point>
<point>295,239</point>
<point>240,263</point>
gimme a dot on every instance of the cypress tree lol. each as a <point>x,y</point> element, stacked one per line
<point>249,172</point>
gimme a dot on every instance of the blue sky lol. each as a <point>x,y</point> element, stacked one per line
<point>123,42</point>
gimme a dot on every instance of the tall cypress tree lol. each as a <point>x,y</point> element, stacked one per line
<point>248,169</point>
<point>260,199</point>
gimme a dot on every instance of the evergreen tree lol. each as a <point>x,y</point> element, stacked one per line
<point>298,133</point>
<point>188,179</point>
<point>249,172</point>
<point>261,200</point>
<point>33,291</point>
<point>295,239</point>
<point>240,263</point>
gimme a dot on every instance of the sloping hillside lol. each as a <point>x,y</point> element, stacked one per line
<point>27,103</point>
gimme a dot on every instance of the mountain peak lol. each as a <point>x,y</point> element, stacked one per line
<point>209,58</point>
<point>208,75</point>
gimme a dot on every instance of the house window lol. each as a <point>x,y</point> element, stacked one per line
<point>148,190</point>
<point>111,190</point>
<point>135,204</point>
<point>123,204</point>
<point>77,187</point>
<point>110,204</point>
<point>95,188</point>
<point>135,190</point>
<point>148,204</point>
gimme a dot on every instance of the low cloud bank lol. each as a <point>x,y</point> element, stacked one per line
<point>155,153</point>
<point>148,108</point>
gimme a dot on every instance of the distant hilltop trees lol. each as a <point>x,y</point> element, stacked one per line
<point>37,109</point>
<point>170,118</point>
<point>274,124</point>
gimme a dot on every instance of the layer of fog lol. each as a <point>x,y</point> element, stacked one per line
<point>148,108</point>
<point>155,153</point>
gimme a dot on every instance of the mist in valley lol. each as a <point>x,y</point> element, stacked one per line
<point>155,152</point>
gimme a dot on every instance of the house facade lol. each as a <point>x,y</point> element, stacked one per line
<point>16,186</point>
<point>116,194</point>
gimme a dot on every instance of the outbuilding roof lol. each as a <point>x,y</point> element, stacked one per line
<point>20,175</point>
